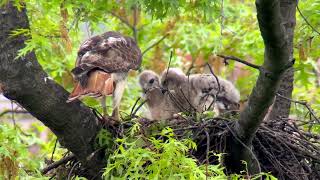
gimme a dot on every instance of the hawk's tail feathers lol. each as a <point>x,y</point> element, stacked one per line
<point>99,84</point>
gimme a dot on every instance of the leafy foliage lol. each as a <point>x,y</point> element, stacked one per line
<point>162,157</point>
<point>197,30</point>
<point>15,159</point>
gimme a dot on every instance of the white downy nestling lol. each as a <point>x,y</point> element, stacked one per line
<point>158,101</point>
<point>208,93</point>
<point>199,92</point>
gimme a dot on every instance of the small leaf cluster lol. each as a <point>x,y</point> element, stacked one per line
<point>15,160</point>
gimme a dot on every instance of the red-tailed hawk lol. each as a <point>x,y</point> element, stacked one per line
<point>102,67</point>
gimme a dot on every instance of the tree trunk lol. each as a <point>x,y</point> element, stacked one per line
<point>24,81</point>
<point>281,107</point>
<point>275,64</point>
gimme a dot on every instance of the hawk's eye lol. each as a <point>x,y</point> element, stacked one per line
<point>151,81</point>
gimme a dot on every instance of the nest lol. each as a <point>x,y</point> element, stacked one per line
<point>282,147</point>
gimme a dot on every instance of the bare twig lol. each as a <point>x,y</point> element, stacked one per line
<point>134,113</point>
<point>54,149</point>
<point>58,163</point>
<point>156,43</point>
<point>134,106</point>
<point>14,111</point>
<point>71,170</point>
<point>207,152</point>
<point>306,20</point>
<point>219,86</point>
<point>304,103</point>
<point>169,64</point>
<point>135,19</point>
<point>191,66</point>
<point>121,19</point>
<point>226,58</point>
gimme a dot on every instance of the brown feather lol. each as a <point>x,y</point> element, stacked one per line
<point>99,84</point>
<point>110,52</point>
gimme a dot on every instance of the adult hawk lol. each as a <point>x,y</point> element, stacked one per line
<point>102,68</point>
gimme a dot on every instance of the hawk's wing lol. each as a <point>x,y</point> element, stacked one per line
<point>110,52</point>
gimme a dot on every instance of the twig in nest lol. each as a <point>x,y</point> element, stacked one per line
<point>134,106</point>
<point>154,44</point>
<point>71,170</point>
<point>58,163</point>
<point>207,152</point>
<point>169,64</point>
<point>135,112</point>
<point>191,66</point>
<point>185,97</point>
<point>219,86</point>
<point>304,103</point>
<point>226,58</point>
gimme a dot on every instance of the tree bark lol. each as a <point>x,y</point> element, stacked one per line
<point>281,107</point>
<point>24,81</point>
<point>275,64</point>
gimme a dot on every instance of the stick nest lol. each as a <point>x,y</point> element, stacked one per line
<point>282,147</point>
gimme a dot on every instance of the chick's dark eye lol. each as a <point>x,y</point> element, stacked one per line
<point>151,81</point>
<point>165,82</point>
<point>210,89</point>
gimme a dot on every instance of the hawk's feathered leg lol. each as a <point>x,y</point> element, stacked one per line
<point>120,80</point>
<point>104,107</point>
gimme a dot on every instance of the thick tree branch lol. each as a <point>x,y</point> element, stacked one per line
<point>24,81</point>
<point>275,62</point>
<point>57,163</point>
<point>276,58</point>
<point>281,109</point>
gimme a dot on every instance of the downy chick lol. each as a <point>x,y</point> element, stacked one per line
<point>158,101</point>
<point>176,82</point>
<point>207,93</point>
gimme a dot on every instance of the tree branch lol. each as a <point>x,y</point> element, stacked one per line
<point>281,109</point>
<point>306,20</point>
<point>24,81</point>
<point>304,103</point>
<point>276,58</point>
<point>154,44</point>
<point>275,62</point>
<point>13,111</point>
<point>124,21</point>
<point>226,58</point>
<point>57,163</point>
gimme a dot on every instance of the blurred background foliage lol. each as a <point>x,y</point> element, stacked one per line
<point>194,30</point>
